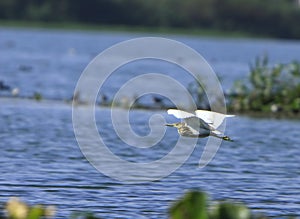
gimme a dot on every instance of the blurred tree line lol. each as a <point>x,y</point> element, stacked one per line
<point>276,18</point>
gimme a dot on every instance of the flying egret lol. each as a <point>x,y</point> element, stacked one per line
<point>199,125</point>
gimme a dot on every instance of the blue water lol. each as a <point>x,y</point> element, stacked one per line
<point>41,161</point>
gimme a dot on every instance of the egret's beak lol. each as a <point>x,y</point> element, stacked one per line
<point>171,125</point>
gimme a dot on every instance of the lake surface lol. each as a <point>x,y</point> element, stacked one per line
<point>41,161</point>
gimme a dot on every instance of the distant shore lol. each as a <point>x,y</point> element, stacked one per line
<point>131,29</point>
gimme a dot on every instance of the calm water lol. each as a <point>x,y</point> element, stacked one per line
<point>42,163</point>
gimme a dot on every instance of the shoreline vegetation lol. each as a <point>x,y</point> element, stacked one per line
<point>256,17</point>
<point>269,91</point>
<point>193,205</point>
<point>77,26</point>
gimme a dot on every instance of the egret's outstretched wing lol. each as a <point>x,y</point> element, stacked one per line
<point>212,118</point>
<point>197,125</point>
<point>179,114</point>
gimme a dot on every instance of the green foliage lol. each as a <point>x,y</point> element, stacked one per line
<point>258,16</point>
<point>193,205</point>
<point>263,18</point>
<point>269,89</point>
<point>228,210</point>
<point>198,93</point>
<point>37,96</point>
<point>17,209</point>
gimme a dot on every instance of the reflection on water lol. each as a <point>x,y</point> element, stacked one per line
<point>42,163</point>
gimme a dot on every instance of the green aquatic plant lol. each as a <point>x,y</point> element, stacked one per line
<point>16,209</point>
<point>226,210</point>
<point>198,92</point>
<point>268,89</point>
<point>194,205</point>
<point>37,96</point>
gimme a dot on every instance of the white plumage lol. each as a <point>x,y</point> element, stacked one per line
<point>202,123</point>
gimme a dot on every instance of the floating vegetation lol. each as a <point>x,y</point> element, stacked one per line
<point>16,209</point>
<point>193,205</point>
<point>37,96</point>
<point>4,86</point>
<point>269,89</point>
<point>153,102</point>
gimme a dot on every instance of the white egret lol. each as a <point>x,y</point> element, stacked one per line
<point>199,125</point>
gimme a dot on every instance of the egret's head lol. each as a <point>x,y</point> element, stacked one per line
<point>176,125</point>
